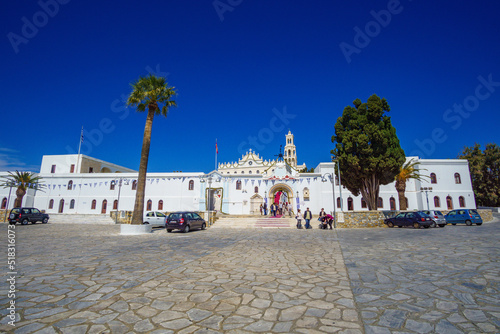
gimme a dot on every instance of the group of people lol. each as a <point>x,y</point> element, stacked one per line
<point>325,219</point>
<point>277,209</point>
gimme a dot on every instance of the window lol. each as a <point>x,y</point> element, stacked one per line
<point>134,185</point>
<point>238,185</point>
<point>91,169</point>
<point>191,185</point>
<point>256,190</point>
<point>392,203</point>
<point>53,169</point>
<point>72,204</point>
<point>149,205</point>
<point>363,203</point>
<point>457,178</point>
<point>305,194</point>
<point>160,205</point>
<point>350,204</point>
<point>72,168</point>
<point>449,203</point>
<point>70,185</point>
<point>94,203</point>
<point>115,204</point>
<point>437,202</point>
<point>51,204</point>
<point>338,203</point>
<point>258,171</point>
<point>433,178</point>
<point>112,185</point>
<point>380,202</point>
<point>104,206</point>
<point>61,206</point>
<point>4,203</point>
<point>461,201</point>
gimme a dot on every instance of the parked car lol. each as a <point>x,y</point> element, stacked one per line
<point>155,218</point>
<point>185,221</point>
<point>464,216</point>
<point>437,217</point>
<point>415,219</point>
<point>27,215</point>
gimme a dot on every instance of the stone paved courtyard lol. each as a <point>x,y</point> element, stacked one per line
<point>90,279</point>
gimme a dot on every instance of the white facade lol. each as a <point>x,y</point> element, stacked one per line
<point>94,193</point>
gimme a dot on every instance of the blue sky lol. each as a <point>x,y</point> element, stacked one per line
<point>243,69</point>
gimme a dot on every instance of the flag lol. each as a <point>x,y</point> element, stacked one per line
<point>81,136</point>
<point>216,147</point>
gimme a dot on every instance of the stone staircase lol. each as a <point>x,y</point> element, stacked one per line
<point>61,218</point>
<point>253,222</point>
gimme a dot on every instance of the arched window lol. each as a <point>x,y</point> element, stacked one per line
<point>457,178</point>
<point>61,206</point>
<point>149,205</point>
<point>250,172</point>
<point>380,202</point>
<point>449,203</point>
<point>339,204</point>
<point>70,185</point>
<point>433,178</point>
<point>51,204</point>
<point>350,204</point>
<point>258,171</point>
<point>461,201</point>
<point>305,194</point>
<point>4,203</point>
<point>115,204</point>
<point>94,203</point>
<point>392,203</point>
<point>256,190</point>
<point>104,206</point>
<point>160,205</point>
<point>238,185</point>
<point>72,204</point>
<point>191,185</point>
<point>112,185</point>
<point>363,203</point>
<point>437,202</point>
<point>134,185</point>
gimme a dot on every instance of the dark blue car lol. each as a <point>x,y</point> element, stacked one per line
<point>463,216</point>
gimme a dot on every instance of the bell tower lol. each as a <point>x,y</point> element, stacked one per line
<point>290,154</point>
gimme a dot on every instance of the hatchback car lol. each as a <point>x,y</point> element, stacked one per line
<point>155,218</point>
<point>185,221</point>
<point>437,217</point>
<point>464,216</point>
<point>27,215</point>
<point>415,219</point>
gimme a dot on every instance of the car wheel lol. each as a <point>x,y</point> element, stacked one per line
<point>186,229</point>
<point>479,224</point>
<point>145,223</point>
<point>45,220</point>
<point>433,224</point>
<point>12,223</point>
<point>442,225</point>
<point>25,222</point>
<point>203,226</point>
<point>169,230</point>
<point>468,222</point>
<point>416,225</point>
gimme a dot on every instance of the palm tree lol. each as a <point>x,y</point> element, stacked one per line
<point>153,94</point>
<point>22,180</point>
<point>407,172</point>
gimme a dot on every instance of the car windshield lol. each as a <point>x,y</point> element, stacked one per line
<point>16,210</point>
<point>474,212</point>
<point>159,214</point>
<point>439,213</point>
<point>174,216</point>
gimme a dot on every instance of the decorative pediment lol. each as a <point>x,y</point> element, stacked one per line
<point>281,171</point>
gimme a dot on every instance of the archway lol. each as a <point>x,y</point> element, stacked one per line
<point>287,191</point>
<point>255,203</point>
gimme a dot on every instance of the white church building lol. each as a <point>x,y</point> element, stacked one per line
<point>85,185</point>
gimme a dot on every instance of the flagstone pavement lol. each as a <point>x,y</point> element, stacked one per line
<point>90,279</point>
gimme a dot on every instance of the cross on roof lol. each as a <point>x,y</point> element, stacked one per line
<point>280,156</point>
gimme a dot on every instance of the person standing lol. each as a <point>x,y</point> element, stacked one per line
<point>265,209</point>
<point>290,209</point>
<point>261,209</point>
<point>299,219</point>
<point>322,213</point>
<point>274,208</point>
<point>307,218</point>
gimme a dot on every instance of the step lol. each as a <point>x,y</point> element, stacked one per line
<point>254,222</point>
<point>61,218</point>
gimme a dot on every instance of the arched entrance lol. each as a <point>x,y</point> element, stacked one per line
<point>287,195</point>
<point>255,202</point>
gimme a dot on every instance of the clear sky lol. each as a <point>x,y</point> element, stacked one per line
<point>245,72</point>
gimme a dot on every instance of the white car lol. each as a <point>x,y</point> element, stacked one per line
<point>155,218</point>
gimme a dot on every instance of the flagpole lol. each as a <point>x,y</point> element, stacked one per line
<point>216,152</point>
<point>79,147</point>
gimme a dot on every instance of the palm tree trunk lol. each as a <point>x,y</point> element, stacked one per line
<point>401,188</point>
<point>20,192</point>
<point>137,216</point>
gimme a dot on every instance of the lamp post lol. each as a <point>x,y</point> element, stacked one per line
<point>427,190</point>
<point>340,184</point>
<point>118,201</point>
<point>332,180</point>
<point>7,204</point>
<point>208,202</point>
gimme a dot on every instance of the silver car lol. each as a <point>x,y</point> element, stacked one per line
<point>437,217</point>
<point>155,218</point>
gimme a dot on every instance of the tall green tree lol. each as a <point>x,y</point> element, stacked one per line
<point>367,148</point>
<point>23,181</point>
<point>407,172</point>
<point>151,94</point>
<point>484,169</point>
